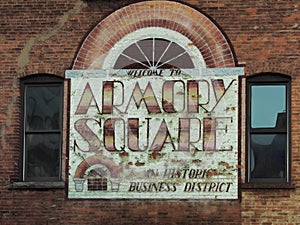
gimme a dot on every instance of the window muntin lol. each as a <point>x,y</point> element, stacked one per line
<point>163,37</point>
<point>42,128</point>
<point>154,53</point>
<point>268,128</point>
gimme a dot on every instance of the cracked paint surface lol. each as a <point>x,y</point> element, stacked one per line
<point>161,136</point>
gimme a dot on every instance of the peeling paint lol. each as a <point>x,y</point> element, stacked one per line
<point>167,145</point>
<point>155,155</point>
<point>139,163</point>
<point>123,154</point>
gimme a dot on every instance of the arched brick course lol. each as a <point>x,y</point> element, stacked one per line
<point>204,34</point>
<point>42,68</point>
<point>94,160</point>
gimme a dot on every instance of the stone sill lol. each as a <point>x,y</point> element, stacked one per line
<point>268,186</point>
<point>37,185</point>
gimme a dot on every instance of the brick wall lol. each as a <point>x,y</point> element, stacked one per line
<point>45,36</point>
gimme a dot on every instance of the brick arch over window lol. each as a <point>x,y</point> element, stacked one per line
<point>203,33</point>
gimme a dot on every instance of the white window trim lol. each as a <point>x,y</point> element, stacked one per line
<point>154,32</point>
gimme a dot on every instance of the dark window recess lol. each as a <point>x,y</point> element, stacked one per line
<point>42,128</point>
<point>268,129</point>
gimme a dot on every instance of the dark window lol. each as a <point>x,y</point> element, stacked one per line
<point>42,127</point>
<point>268,110</point>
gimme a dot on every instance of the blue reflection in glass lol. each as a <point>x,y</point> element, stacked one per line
<point>267,102</point>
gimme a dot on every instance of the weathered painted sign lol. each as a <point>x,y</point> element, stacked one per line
<point>154,134</point>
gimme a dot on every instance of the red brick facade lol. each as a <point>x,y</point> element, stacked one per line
<point>197,27</point>
<point>54,36</point>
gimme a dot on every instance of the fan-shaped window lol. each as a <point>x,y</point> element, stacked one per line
<point>154,53</point>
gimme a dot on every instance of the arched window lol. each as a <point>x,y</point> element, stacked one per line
<point>42,99</point>
<point>268,128</point>
<point>154,48</point>
<point>154,53</point>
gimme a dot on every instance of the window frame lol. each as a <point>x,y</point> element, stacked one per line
<point>40,80</point>
<point>152,60</point>
<point>260,80</point>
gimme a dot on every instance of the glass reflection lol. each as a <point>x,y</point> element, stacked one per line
<point>42,155</point>
<point>268,103</point>
<point>268,155</point>
<point>43,108</point>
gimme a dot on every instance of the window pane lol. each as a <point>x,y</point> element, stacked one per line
<point>154,53</point>
<point>43,155</point>
<point>268,157</point>
<point>268,106</point>
<point>43,106</point>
